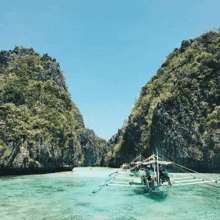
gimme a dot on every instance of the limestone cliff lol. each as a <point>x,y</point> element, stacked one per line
<point>41,129</point>
<point>178,110</point>
<point>92,147</point>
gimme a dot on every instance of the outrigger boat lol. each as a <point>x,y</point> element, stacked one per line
<point>155,180</point>
<point>151,176</point>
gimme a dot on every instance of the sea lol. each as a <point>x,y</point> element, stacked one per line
<point>69,195</point>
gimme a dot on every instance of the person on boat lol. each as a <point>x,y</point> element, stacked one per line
<point>144,180</point>
<point>164,176</point>
<point>150,176</point>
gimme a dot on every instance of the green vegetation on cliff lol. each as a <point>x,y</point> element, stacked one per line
<point>178,110</point>
<point>39,123</point>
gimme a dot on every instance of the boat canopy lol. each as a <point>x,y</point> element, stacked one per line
<point>159,162</point>
<point>152,162</point>
<point>138,162</point>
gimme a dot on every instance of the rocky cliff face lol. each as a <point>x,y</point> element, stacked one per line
<point>92,147</point>
<point>178,111</point>
<point>110,149</point>
<point>41,129</point>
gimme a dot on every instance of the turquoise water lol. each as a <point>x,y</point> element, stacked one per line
<point>69,196</point>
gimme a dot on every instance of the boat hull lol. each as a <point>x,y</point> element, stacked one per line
<point>158,190</point>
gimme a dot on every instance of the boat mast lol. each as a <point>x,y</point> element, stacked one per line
<point>157,167</point>
<point>154,163</point>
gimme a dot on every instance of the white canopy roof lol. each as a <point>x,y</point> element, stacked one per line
<point>152,162</point>
<point>138,162</point>
<point>159,162</point>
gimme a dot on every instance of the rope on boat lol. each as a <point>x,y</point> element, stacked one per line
<point>179,166</point>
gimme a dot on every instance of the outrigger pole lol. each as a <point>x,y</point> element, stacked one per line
<point>106,182</point>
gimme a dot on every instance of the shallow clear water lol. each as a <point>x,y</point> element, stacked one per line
<point>69,196</point>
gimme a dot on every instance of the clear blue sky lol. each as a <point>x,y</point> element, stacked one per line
<point>108,49</point>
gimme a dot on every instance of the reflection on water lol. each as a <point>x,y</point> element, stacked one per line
<point>69,196</point>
